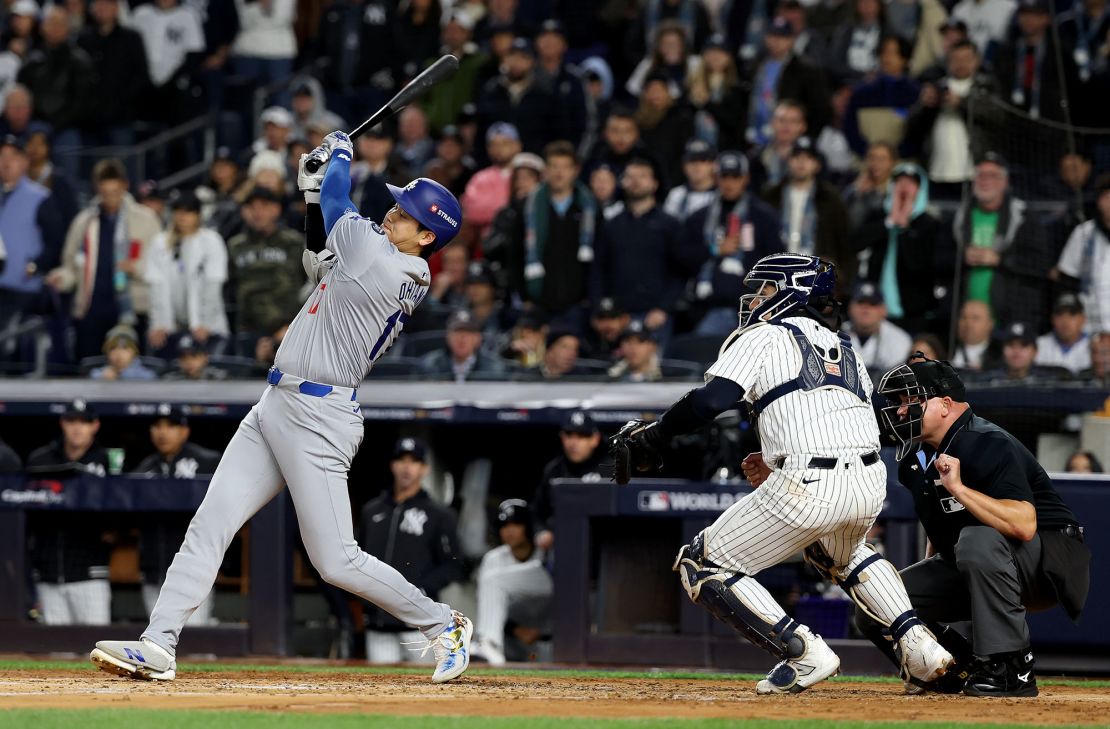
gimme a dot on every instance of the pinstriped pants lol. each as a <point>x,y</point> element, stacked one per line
<point>795,508</point>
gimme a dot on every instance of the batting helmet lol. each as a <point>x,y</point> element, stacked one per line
<point>432,205</point>
<point>800,282</point>
<point>908,388</point>
<point>515,511</point>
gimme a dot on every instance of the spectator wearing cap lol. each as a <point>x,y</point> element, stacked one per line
<point>950,32</point>
<point>443,102</point>
<point>517,97</point>
<point>68,552</point>
<point>771,161</point>
<point>1006,251</point>
<point>355,47</point>
<point>639,356</point>
<point>480,291</point>
<point>715,91</point>
<point>462,356</point>
<point>514,590</point>
<point>192,363</point>
<point>173,36</point>
<point>219,206</point>
<point>1084,264</point>
<point>581,458</point>
<point>309,106</point>
<point>20,34</point>
<point>1083,28</point>
<point>554,247</point>
<point>1067,345</point>
<point>121,348</point>
<point>374,166</point>
<point>988,22</point>
<point>104,260</point>
<point>813,218</point>
<point>31,236</point>
<point>564,80</point>
<point>723,240</point>
<point>880,344</point>
<point>638,255</point>
<point>527,171</point>
<point>853,51</point>
<point>607,324</point>
<point>452,166</point>
<point>63,192</point>
<point>265,270</point>
<point>415,146</point>
<point>161,536</point>
<point>700,188</point>
<point>186,269</point>
<point>526,342</point>
<point>670,59</point>
<point>867,193</point>
<point>976,351</point>
<point>407,530</point>
<point>937,128</point>
<point>662,120</point>
<point>264,49</point>
<point>783,74</point>
<point>1029,68</point>
<point>120,73</point>
<point>1019,354</point>
<point>277,131</point>
<point>495,36</point>
<point>620,142</point>
<point>904,252</point>
<point>560,355</point>
<point>877,108</point>
<point>689,17</point>
<point>489,189</point>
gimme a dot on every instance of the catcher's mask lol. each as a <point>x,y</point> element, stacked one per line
<point>799,282</point>
<point>908,388</point>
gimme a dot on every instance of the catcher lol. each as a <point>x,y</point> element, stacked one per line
<point>820,482</point>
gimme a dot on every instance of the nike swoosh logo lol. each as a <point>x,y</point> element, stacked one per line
<point>812,480</point>
<point>1024,677</point>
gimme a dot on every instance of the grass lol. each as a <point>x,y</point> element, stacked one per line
<point>115,718</point>
<point>309,668</point>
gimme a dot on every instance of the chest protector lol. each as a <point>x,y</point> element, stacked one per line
<point>835,367</point>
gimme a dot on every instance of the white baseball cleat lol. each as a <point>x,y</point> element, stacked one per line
<point>140,659</point>
<point>487,651</point>
<point>794,675</point>
<point>922,657</point>
<point>451,648</point>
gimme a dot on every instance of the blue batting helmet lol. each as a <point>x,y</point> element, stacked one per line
<point>432,205</point>
<point>800,282</point>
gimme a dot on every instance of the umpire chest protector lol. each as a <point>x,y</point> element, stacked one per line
<point>834,367</point>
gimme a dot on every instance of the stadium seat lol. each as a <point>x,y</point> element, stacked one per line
<point>700,348</point>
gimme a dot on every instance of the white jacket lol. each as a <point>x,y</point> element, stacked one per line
<point>266,33</point>
<point>186,291</point>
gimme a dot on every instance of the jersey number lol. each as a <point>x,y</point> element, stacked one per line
<point>319,295</point>
<point>397,317</point>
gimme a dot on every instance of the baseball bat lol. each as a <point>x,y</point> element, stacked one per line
<point>441,70</point>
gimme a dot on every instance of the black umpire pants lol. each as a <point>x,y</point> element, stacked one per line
<point>990,580</point>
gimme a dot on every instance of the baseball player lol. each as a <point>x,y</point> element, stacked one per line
<point>820,482</point>
<point>307,426</point>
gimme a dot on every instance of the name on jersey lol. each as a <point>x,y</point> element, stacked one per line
<point>412,291</point>
<point>685,501</point>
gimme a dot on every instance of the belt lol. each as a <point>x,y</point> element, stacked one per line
<point>1073,530</point>
<point>826,463</point>
<point>312,389</point>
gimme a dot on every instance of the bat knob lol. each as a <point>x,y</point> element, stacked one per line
<point>313,164</point>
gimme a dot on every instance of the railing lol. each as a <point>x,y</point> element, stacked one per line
<point>36,327</point>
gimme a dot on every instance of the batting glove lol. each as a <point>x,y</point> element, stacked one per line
<point>338,143</point>
<point>309,182</point>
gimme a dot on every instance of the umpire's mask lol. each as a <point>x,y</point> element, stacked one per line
<point>908,388</point>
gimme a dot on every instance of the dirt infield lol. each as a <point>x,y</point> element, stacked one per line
<point>491,695</point>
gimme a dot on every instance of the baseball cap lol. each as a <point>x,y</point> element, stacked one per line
<point>579,421</point>
<point>994,158</point>
<point>732,163</point>
<point>551,25</point>
<point>513,511</point>
<point>188,345</point>
<point>451,132</point>
<point>637,329</point>
<point>1069,303</point>
<point>781,26</point>
<point>277,115</point>
<point>121,335</point>
<point>530,320</point>
<point>556,333</point>
<point>608,308</point>
<point>1033,6</point>
<point>264,194</point>
<point>698,150</point>
<point>938,379</point>
<point>410,447</point>
<point>805,145</point>
<point>907,170</point>
<point>462,320</point>
<point>1019,332</point>
<point>479,272</point>
<point>529,161</point>
<point>223,154</point>
<point>26,8</point>
<point>716,42</point>
<point>502,129</point>
<point>868,292</point>
<point>13,141</point>
<point>79,409</point>
<point>175,414</point>
<point>463,19</point>
<point>951,23</point>
<point>185,200</point>
<point>521,45</point>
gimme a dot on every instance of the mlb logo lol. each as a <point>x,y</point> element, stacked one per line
<point>654,501</point>
<point>832,369</point>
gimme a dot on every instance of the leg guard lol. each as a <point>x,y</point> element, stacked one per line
<point>736,601</point>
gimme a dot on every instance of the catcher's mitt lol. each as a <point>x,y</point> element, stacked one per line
<point>635,447</point>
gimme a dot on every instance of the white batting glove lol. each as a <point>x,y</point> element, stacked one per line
<point>309,182</point>
<point>317,265</point>
<point>338,142</point>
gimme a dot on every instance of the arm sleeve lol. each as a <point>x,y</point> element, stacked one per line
<point>335,191</point>
<point>315,235</point>
<point>700,406</point>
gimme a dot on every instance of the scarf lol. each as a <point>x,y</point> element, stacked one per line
<point>1017,95</point>
<point>537,226</point>
<point>888,276</point>
<point>712,234</point>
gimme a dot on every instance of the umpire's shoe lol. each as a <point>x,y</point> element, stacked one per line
<point>1004,674</point>
<point>794,675</point>
<point>134,659</point>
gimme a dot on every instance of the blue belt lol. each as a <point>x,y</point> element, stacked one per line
<point>313,389</point>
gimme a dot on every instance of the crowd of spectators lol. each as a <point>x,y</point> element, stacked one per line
<point>613,165</point>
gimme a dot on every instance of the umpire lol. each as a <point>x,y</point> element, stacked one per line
<point>1002,541</point>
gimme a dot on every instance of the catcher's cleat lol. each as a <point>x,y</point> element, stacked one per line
<point>795,675</point>
<point>451,648</point>
<point>140,659</point>
<point>922,657</point>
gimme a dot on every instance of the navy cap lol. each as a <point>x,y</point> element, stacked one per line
<point>13,141</point>
<point>551,25</point>
<point>79,409</point>
<point>258,192</point>
<point>637,329</point>
<point>805,145</point>
<point>994,158</point>
<point>556,333</point>
<point>410,447</point>
<point>608,308</point>
<point>1033,6</point>
<point>781,26</point>
<point>185,200</point>
<point>579,421</point>
<point>188,345</point>
<point>479,272</point>
<point>521,45</point>
<point>868,292</point>
<point>715,42</point>
<point>462,320</point>
<point>175,414</point>
<point>1068,302</point>
<point>698,150</point>
<point>514,511</point>
<point>731,162</point>
<point>1020,332</point>
<point>951,23</point>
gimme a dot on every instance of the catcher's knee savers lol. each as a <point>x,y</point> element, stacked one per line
<point>716,590</point>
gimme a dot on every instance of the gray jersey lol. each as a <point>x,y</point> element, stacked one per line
<point>357,310</point>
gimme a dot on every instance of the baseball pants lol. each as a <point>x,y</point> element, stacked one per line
<point>503,587</point>
<point>86,602</point>
<point>384,647</point>
<point>307,443</point>
<point>202,616</point>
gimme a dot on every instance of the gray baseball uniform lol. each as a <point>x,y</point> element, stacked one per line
<point>304,432</point>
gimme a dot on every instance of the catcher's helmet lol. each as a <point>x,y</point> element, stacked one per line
<point>908,388</point>
<point>800,282</point>
<point>432,205</point>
